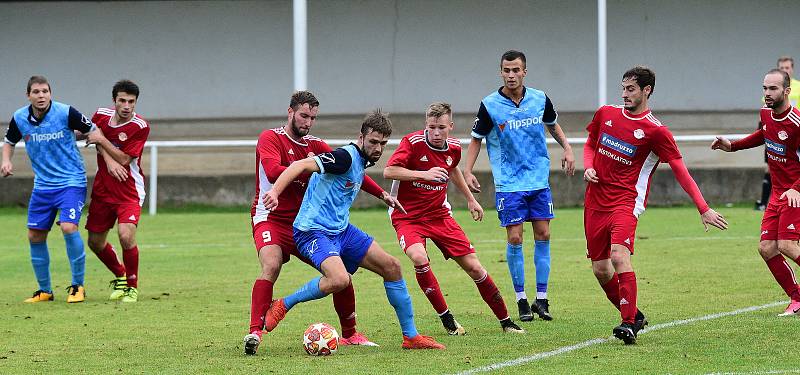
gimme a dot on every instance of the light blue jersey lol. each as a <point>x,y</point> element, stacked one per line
<point>330,193</point>
<point>515,139</point>
<point>50,145</point>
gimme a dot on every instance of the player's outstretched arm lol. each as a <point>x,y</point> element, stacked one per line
<point>6,168</point>
<point>753,140</point>
<point>396,172</point>
<point>297,168</point>
<point>568,159</point>
<point>472,155</point>
<point>722,143</point>
<point>475,208</point>
<point>708,215</point>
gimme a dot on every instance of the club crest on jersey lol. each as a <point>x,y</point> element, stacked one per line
<point>349,184</point>
<point>122,137</point>
<point>502,126</point>
<point>618,145</point>
<point>449,161</point>
<point>782,135</point>
<point>775,147</point>
<point>27,138</point>
<point>638,133</point>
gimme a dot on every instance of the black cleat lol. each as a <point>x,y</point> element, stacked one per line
<point>640,322</point>
<point>509,326</point>
<point>451,325</point>
<point>626,332</point>
<point>251,342</point>
<point>525,313</point>
<point>542,308</point>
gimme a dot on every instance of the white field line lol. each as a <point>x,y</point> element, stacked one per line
<point>597,341</point>
<point>757,372</point>
<point>698,238</point>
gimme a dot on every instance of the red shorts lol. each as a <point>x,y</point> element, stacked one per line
<point>780,222</point>
<point>103,215</point>
<point>445,233</point>
<point>604,228</point>
<point>275,233</point>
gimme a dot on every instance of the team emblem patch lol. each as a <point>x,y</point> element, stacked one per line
<point>502,126</point>
<point>782,135</point>
<point>449,161</point>
<point>638,133</point>
<point>122,137</point>
<point>27,138</point>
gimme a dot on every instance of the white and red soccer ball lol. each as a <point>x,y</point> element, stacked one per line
<point>320,339</point>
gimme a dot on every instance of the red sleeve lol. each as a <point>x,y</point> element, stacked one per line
<point>135,144</point>
<point>589,149</point>
<point>401,155</point>
<point>664,145</point>
<point>270,157</point>
<point>370,186</point>
<point>752,140</point>
<point>95,117</point>
<point>688,184</point>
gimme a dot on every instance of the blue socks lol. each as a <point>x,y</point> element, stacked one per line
<point>40,259</point>
<point>76,255</point>
<point>397,292</point>
<point>541,259</point>
<point>516,266</point>
<point>308,292</point>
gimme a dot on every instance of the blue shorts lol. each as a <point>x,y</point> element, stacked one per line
<point>350,245</point>
<point>44,204</point>
<point>518,207</point>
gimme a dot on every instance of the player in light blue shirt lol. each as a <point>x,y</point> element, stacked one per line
<point>325,237</point>
<point>513,121</point>
<point>48,129</point>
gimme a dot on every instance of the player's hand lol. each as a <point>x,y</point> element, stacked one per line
<point>435,174</point>
<point>568,162</point>
<point>270,200</point>
<point>472,182</point>
<point>476,210</point>
<point>117,171</point>
<point>7,169</point>
<point>393,202</point>
<point>714,218</point>
<point>793,196</point>
<point>721,143</point>
<point>590,175</point>
<point>94,137</point>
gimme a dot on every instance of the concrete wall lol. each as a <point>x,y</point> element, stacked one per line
<point>201,60</point>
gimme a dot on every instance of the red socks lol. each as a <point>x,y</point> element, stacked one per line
<point>627,294</point>
<point>430,286</point>
<point>109,258</point>
<point>491,295</point>
<point>259,304</point>
<point>344,302</point>
<point>612,290</point>
<point>131,259</point>
<point>784,276</point>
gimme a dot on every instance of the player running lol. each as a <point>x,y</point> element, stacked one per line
<point>59,185</point>
<point>624,147</point>
<point>325,236</point>
<point>780,226</point>
<point>118,190</point>
<point>422,165</point>
<point>511,119</point>
<point>272,228</point>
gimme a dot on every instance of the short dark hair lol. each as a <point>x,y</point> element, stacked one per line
<point>785,58</point>
<point>377,121</point>
<point>37,79</point>
<point>512,55</point>
<point>303,97</point>
<point>643,75</point>
<point>126,86</point>
<point>787,81</point>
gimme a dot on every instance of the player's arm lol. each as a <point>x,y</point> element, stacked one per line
<point>461,184</point>
<point>707,214</point>
<point>435,174</point>
<point>753,140</point>
<point>589,149</point>
<point>13,136</point>
<point>550,118</point>
<point>115,169</point>
<point>307,165</point>
<point>480,129</point>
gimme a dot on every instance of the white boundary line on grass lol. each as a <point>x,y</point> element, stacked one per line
<point>597,341</point>
<point>757,372</point>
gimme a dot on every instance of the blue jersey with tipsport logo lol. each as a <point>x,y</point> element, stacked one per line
<point>50,145</point>
<point>331,192</point>
<point>515,139</point>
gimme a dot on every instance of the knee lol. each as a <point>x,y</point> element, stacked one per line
<point>515,239</point>
<point>787,247</point>
<point>619,258</point>
<point>603,274</point>
<point>68,228</point>
<point>127,241</point>
<point>475,271</point>
<point>96,244</point>
<point>541,234</point>
<point>339,281</point>
<point>767,249</point>
<point>37,236</point>
<point>392,270</point>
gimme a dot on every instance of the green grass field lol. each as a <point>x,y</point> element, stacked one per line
<point>197,269</point>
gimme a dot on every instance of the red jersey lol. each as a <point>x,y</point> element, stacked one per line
<point>627,149</point>
<point>781,135</point>
<point>274,152</point>
<point>130,138</point>
<point>423,199</point>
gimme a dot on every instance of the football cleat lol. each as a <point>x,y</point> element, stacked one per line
<point>357,338</point>
<point>625,332</point>
<point>251,342</point>
<point>76,293</point>
<point>525,313</point>
<point>451,325</point>
<point>40,296</point>
<point>510,327</point>
<point>792,309</point>
<point>542,308</point>
<point>118,286</point>
<point>131,295</point>
<point>421,342</point>
<point>276,313</point>
<point>639,323</point>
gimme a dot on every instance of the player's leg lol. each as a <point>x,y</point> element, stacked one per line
<point>130,257</point>
<point>512,210</point>
<point>540,212</point>
<point>769,249</point>
<point>488,291</point>
<point>41,214</point>
<point>70,206</point>
<point>344,302</point>
<point>101,219</point>
<point>621,260</point>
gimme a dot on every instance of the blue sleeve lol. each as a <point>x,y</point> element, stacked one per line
<point>12,134</point>
<point>337,161</point>
<point>79,122</point>
<point>483,123</point>
<point>550,116</point>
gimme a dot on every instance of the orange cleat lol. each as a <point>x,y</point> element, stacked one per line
<point>276,313</point>
<point>421,342</point>
<point>357,338</point>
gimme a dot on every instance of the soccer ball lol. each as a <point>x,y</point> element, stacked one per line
<point>320,339</point>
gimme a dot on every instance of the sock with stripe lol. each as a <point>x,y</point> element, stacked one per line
<point>344,302</point>
<point>541,259</point>
<point>131,259</point>
<point>627,294</point>
<point>308,292</point>
<point>397,293</point>
<point>516,267</point>
<point>491,295</point>
<point>259,304</point>
<point>76,255</point>
<point>109,257</point>
<point>784,276</point>
<point>430,287</point>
